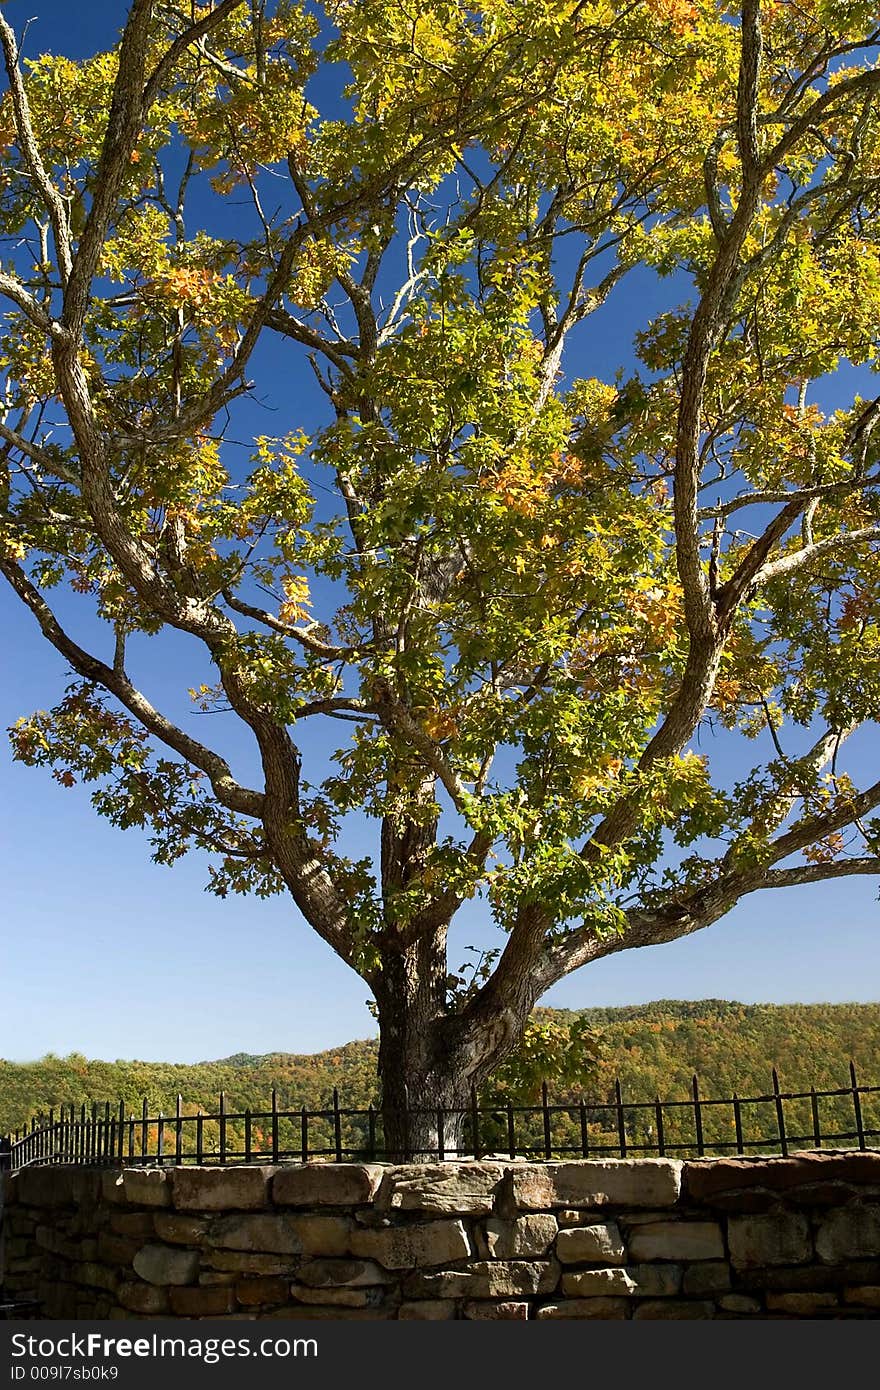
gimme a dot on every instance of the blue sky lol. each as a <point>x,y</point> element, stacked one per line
<point>106,954</point>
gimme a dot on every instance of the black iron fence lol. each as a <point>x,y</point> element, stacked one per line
<point>777,1122</point>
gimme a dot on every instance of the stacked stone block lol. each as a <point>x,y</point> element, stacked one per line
<point>648,1238</point>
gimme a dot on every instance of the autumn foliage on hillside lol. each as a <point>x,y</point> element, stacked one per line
<point>654,1049</point>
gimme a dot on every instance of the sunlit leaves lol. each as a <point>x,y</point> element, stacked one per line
<point>565,1049</point>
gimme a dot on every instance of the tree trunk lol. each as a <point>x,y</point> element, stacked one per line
<point>424,1110</point>
<point>430,1060</point>
<point>429,1064</point>
<point>425,1093</point>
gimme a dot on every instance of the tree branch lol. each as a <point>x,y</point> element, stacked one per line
<point>291,327</point>
<point>703,905</point>
<point>701,908</point>
<point>746,574</point>
<point>226,789</point>
<point>790,564</point>
<point>751,47</point>
<point>306,876</point>
<point>49,194</point>
<point>13,289</point>
<point>863,82</point>
<point>301,635</point>
<point>818,873</point>
<point>14,440</point>
<point>190,36</point>
<point>762,496</point>
<point>123,128</point>
<point>395,716</point>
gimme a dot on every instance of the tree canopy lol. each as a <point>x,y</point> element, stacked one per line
<point>518,593</point>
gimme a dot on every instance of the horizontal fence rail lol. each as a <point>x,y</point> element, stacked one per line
<point>777,1122</point>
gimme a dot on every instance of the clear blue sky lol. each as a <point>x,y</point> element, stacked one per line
<point>106,954</point>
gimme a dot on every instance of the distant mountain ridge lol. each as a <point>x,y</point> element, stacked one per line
<point>653,1048</point>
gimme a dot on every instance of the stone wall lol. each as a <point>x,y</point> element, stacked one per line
<point>650,1238</point>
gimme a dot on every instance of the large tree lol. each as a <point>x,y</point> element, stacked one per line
<point>517,594</point>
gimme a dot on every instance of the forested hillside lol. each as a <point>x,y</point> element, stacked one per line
<point>653,1048</point>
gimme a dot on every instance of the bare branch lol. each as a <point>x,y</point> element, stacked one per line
<point>341,706</point>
